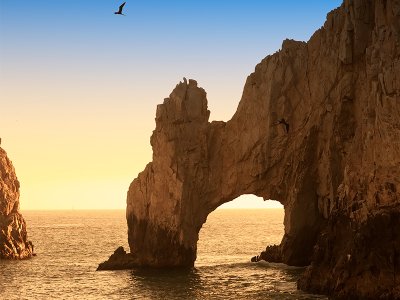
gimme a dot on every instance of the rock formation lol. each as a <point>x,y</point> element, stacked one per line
<point>13,236</point>
<point>318,129</point>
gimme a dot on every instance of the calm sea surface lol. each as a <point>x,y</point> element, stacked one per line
<point>70,245</point>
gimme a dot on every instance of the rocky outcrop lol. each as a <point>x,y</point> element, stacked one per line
<point>357,260</point>
<point>272,253</point>
<point>318,129</point>
<point>13,236</point>
<point>119,260</point>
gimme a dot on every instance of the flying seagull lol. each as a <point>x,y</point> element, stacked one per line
<point>121,7</point>
<point>283,121</point>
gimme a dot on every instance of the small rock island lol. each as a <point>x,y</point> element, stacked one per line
<point>14,242</point>
<point>318,129</point>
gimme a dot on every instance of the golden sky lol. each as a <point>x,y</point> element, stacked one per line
<point>79,86</point>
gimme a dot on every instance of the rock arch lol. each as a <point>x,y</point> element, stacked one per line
<point>197,166</point>
<point>317,128</point>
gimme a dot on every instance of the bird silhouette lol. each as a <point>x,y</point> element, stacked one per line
<point>121,7</point>
<point>283,121</point>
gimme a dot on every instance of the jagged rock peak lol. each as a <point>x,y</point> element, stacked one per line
<point>14,242</point>
<point>187,102</point>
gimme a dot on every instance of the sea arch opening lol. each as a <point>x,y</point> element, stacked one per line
<point>240,229</point>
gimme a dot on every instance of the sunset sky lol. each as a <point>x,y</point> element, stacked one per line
<point>79,85</point>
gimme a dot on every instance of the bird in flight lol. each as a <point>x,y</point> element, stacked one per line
<point>121,7</point>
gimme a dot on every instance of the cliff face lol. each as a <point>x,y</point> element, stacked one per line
<point>13,235</point>
<point>318,129</point>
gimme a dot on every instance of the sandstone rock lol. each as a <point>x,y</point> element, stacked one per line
<point>119,260</point>
<point>14,243</point>
<point>336,171</point>
<point>272,254</point>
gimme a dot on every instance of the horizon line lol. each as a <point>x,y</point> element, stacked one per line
<point>115,209</point>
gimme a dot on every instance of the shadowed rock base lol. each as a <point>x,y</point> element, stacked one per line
<point>357,261</point>
<point>120,260</point>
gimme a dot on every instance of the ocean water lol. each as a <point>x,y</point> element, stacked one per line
<point>70,245</point>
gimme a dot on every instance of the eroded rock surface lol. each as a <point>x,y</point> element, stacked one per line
<point>119,260</point>
<point>14,242</point>
<point>318,129</point>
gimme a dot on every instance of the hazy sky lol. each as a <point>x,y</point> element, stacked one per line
<point>79,85</point>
